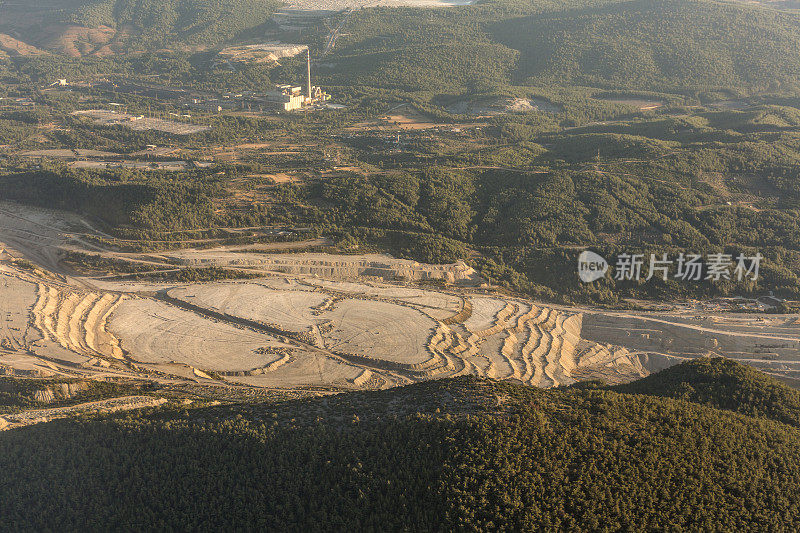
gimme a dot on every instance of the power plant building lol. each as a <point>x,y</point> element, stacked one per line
<point>291,97</point>
<point>288,97</point>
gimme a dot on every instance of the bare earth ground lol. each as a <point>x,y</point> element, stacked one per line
<point>501,106</point>
<point>35,416</point>
<point>110,118</point>
<point>325,322</point>
<point>637,102</point>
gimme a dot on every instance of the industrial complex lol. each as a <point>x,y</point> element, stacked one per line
<point>282,97</point>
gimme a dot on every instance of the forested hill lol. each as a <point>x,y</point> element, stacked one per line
<point>666,45</point>
<point>657,45</point>
<point>107,27</point>
<point>458,454</point>
<point>156,23</point>
<point>723,384</point>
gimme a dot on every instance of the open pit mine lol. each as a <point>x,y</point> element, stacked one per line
<point>324,322</point>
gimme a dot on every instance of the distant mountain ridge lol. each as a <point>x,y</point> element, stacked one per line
<point>669,44</point>
<point>661,45</point>
<point>655,45</point>
<point>108,27</point>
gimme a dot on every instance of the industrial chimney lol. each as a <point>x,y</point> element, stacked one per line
<point>308,56</point>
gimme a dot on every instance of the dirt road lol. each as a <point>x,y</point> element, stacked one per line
<point>36,416</point>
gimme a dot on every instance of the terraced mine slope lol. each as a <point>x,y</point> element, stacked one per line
<point>291,333</point>
<point>321,320</point>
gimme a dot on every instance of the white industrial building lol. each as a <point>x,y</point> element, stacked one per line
<point>288,97</point>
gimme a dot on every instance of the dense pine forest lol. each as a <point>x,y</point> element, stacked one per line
<point>672,45</point>
<point>708,445</point>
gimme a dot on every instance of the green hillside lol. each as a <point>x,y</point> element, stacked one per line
<point>458,454</point>
<point>665,45</point>
<point>723,384</point>
<point>668,45</point>
<point>662,184</point>
<point>154,23</point>
<point>659,44</point>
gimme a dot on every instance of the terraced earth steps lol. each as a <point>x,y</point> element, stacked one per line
<point>528,352</point>
<point>77,321</point>
<point>471,368</point>
<point>536,315</point>
<point>105,342</point>
<point>93,317</point>
<point>507,352</point>
<point>363,378</point>
<point>539,357</point>
<point>500,321</point>
<point>522,309</point>
<point>591,354</point>
<point>553,357</point>
<point>461,316</point>
<point>77,332</point>
<point>271,367</point>
<point>491,370</point>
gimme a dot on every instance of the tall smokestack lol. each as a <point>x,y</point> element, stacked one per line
<point>308,56</point>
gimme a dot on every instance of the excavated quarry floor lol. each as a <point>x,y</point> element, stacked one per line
<point>320,321</point>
